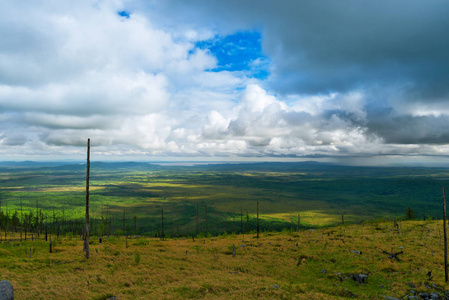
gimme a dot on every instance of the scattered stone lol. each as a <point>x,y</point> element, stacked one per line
<point>242,245</point>
<point>356,252</point>
<point>390,298</point>
<point>413,298</point>
<point>6,290</point>
<point>434,296</point>
<point>112,298</point>
<point>424,295</point>
<point>323,271</point>
<point>410,284</point>
<point>360,278</point>
<point>276,287</point>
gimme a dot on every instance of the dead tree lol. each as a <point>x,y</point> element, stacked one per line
<point>445,236</point>
<point>177,224</point>
<point>205,209</point>
<point>197,220</point>
<point>162,223</point>
<point>123,221</point>
<point>257,219</point>
<point>299,223</point>
<point>241,221</point>
<point>86,233</point>
<point>393,254</point>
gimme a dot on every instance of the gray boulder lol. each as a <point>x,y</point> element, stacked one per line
<point>360,278</point>
<point>6,290</point>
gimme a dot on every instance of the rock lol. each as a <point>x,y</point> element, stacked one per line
<point>424,295</point>
<point>356,252</point>
<point>413,298</point>
<point>360,278</point>
<point>434,296</point>
<point>410,284</point>
<point>276,287</point>
<point>6,290</point>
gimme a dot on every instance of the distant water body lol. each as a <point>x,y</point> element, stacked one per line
<point>189,164</point>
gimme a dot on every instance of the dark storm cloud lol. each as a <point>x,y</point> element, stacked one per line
<point>322,46</point>
<point>406,129</point>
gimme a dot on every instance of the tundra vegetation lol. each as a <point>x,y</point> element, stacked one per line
<point>345,261</point>
<point>190,231</point>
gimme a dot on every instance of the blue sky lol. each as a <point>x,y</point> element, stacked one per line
<point>225,80</point>
<point>240,51</point>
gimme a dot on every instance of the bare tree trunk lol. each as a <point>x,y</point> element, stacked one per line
<point>205,208</point>
<point>299,223</point>
<point>86,237</point>
<point>247,221</point>
<point>123,222</point>
<point>257,219</point>
<point>241,221</point>
<point>37,217</point>
<point>197,220</point>
<point>21,220</point>
<point>162,221</point>
<point>445,237</point>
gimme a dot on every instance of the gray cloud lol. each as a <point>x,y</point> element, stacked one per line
<point>406,129</point>
<point>322,46</point>
<point>348,78</point>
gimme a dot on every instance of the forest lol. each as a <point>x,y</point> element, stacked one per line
<point>208,199</point>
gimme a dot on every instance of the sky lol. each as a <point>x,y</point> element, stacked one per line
<point>349,80</point>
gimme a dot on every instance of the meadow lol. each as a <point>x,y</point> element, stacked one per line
<point>190,231</point>
<point>212,199</point>
<point>341,262</point>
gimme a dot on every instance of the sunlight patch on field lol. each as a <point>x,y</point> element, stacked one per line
<point>70,189</point>
<point>179,185</point>
<point>312,217</point>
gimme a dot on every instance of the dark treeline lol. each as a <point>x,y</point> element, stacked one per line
<point>39,223</point>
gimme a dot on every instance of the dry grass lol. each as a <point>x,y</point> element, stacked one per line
<point>306,265</point>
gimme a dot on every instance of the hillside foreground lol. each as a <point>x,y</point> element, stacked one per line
<point>348,261</point>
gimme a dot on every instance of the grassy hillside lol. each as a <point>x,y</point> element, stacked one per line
<point>310,264</point>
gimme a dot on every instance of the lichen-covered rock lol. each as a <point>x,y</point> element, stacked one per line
<point>360,278</point>
<point>6,290</point>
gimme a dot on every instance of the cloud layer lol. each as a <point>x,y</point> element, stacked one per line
<point>146,78</point>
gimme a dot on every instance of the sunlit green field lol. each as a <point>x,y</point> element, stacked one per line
<point>218,198</point>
